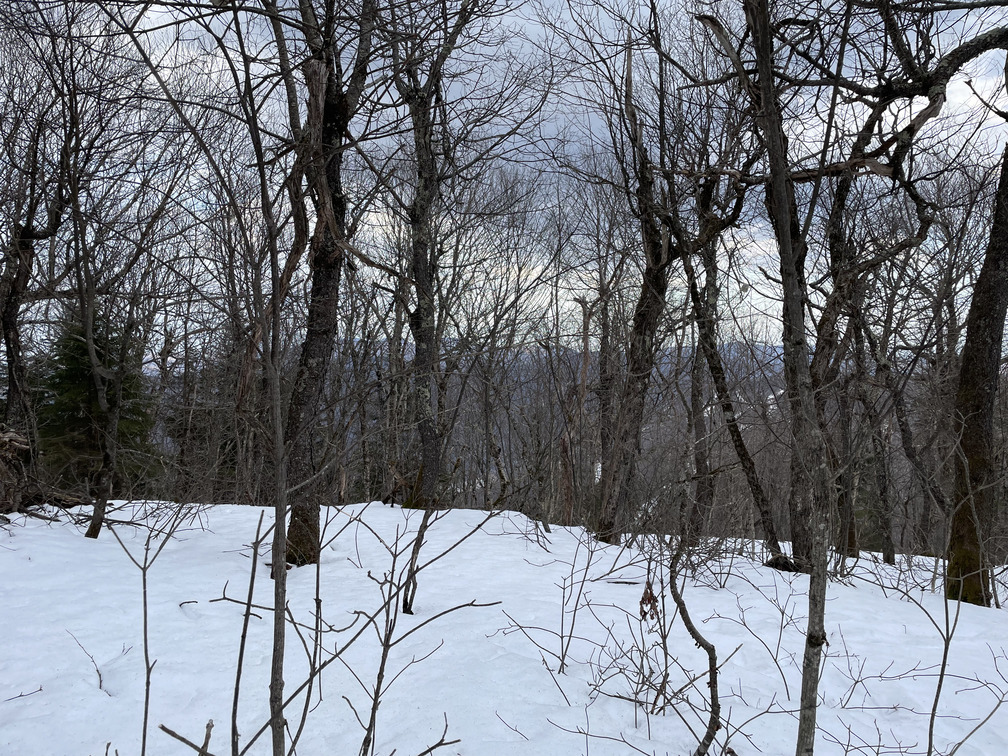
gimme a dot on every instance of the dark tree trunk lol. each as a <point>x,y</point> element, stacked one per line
<point>106,475</point>
<point>884,503</point>
<point>880,448</point>
<point>418,75</point>
<point>617,466</point>
<point>330,108</point>
<point>110,394</point>
<point>705,309</point>
<point>423,327</point>
<point>422,319</point>
<point>13,285</point>
<point>316,354</point>
<point>969,564</point>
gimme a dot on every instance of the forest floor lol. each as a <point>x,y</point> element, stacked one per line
<point>550,656</point>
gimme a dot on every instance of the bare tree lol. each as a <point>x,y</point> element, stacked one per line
<point>927,75</point>
<point>673,140</point>
<point>456,125</point>
<point>337,59</point>
<point>39,133</point>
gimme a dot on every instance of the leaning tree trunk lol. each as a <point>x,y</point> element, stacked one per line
<point>969,576</point>
<point>708,344</point>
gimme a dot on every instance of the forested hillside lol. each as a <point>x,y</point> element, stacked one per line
<point>708,271</point>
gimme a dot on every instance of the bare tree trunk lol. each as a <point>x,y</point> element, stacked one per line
<point>316,353</point>
<point>106,378</point>
<point>13,284</point>
<point>969,565</point>
<point>809,461</point>
<point>423,326</point>
<point>883,502</point>
<point>617,467</point>
<point>331,105</point>
<point>422,75</point>
<point>422,321</point>
<point>110,450</point>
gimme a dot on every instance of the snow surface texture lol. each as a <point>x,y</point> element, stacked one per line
<point>563,664</point>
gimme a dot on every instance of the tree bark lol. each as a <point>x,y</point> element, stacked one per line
<point>880,448</point>
<point>316,353</point>
<point>617,469</point>
<point>422,322</point>
<point>617,466</point>
<point>968,577</point>
<point>809,461</point>
<point>846,535</point>
<point>331,105</point>
<point>13,285</point>
<point>419,70</point>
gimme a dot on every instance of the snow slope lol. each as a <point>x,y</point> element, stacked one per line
<point>72,658</point>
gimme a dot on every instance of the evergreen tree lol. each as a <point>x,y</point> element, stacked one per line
<point>69,415</point>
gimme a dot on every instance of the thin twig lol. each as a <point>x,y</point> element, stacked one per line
<point>101,687</point>
<point>244,635</point>
<point>23,695</point>
<point>200,750</point>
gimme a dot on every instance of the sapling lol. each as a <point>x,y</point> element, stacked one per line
<point>165,532</point>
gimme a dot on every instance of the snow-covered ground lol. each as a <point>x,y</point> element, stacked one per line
<point>554,660</point>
